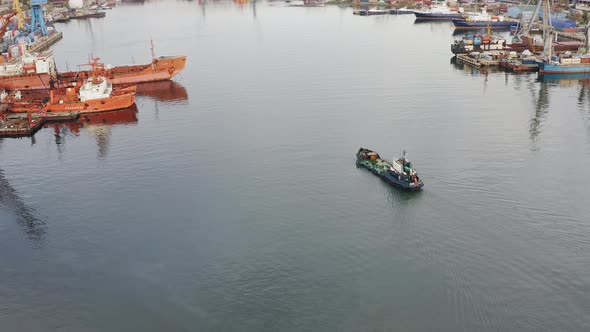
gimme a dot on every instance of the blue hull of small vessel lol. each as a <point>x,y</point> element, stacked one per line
<point>549,68</point>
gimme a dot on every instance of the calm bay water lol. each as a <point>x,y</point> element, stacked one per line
<point>229,199</point>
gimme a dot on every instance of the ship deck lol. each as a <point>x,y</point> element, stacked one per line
<point>17,124</point>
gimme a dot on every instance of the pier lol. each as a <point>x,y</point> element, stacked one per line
<point>45,42</point>
<point>26,124</point>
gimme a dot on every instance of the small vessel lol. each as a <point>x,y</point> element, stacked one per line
<point>86,13</point>
<point>401,11</point>
<point>371,12</point>
<point>398,172</point>
<point>439,11</point>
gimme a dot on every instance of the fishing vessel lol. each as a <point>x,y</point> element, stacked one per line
<point>398,172</point>
<point>439,11</point>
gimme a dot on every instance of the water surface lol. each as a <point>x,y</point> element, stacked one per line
<point>229,200</point>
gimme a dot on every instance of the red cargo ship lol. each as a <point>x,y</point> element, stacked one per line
<point>34,72</point>
<point>95,94</point>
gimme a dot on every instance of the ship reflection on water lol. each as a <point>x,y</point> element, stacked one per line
<point>98,125</point>
<point>33,226</point>
<point>164,91</point>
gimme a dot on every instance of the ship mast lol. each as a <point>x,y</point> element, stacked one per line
<point>547,31</point>
<point>526,26</point>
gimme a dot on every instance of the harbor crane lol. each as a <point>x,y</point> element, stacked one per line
<point>37,18</point>
<point>20,14</point>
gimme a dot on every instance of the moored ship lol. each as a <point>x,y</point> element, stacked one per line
<point>439,12</point>
<point>483,20</point>
<point>95,94</point>
<point>160,69</point>
<point>35,71</point>
<point>28,72</point>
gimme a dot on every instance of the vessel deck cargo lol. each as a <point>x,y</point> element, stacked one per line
<point>398,173</point>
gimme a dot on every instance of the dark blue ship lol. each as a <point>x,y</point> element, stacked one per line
<point>398,173</point>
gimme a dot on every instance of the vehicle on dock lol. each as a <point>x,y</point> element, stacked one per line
<point>398,172</point>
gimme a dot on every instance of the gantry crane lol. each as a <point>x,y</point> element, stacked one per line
<point>37,18</point>
<point>20,15</point>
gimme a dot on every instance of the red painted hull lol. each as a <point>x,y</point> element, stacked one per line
<point>161,69</point>
<point>120,99</point>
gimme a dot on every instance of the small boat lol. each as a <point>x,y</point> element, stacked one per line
<point>398,172</point>
<point>401,11</point>
<point>370,12</point>
<point>439,11</point>
<point>104,7</point>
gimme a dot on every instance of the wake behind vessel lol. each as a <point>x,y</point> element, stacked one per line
<point>398,172</point>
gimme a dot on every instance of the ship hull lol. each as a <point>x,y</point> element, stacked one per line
<point>112,103</point>
<point>466,25</point>
<point>433,16</point>
<point>547,68</point>
<point>25,82</point>
<point>161,69</point>
<point>96,105</point>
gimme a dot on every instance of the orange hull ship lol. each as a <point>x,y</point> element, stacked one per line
<point>68,101</point>
<point>160,69</point>
<point>95,94</point>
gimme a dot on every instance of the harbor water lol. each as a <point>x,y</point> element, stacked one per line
<point>229,199</point>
